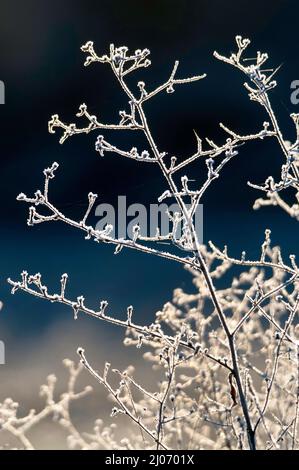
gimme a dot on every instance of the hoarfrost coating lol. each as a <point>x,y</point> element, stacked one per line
<point>228,354</point>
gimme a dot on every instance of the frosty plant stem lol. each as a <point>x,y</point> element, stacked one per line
<point>194,255</point>
<point>258,91</point>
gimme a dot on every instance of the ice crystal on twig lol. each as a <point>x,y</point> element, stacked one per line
<point>227,356</point>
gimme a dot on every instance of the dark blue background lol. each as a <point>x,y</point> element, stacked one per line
<point>42,67</point>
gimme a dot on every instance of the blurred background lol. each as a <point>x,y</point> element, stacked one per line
<point>42,67</point>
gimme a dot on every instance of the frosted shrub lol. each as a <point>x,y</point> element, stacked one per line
<point>225,359</point>
<point>17,427</point>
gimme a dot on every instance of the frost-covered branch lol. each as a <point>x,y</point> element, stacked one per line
<point>275,261</point>
<point>57,409</point>
<point>42,199</point>
<point>210,323</point>
<point>115,393</point>
<point>260,83</point>
<point>32,284</point>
